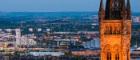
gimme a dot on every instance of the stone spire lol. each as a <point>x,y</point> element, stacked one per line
<point>128,8</point>
<point>101,10</point>
<point>114,9</point>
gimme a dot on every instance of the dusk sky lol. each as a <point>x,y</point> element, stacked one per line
<point>55,5</point>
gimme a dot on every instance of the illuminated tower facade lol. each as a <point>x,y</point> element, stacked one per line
<point>115,29</point>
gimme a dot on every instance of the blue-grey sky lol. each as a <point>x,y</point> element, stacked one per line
<point>55,5</point>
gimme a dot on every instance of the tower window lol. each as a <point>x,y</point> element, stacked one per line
<point>117,57</point>
<point>112,30</point>
<point>108,56</point>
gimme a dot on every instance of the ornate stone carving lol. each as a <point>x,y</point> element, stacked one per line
<point>115,30</point>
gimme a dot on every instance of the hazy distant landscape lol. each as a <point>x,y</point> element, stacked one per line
<point>55,32</point>
<point>29,16</point>
<point>73,21</point>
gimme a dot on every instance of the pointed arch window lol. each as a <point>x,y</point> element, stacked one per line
<point>108,56</point>
<point>117,57</point>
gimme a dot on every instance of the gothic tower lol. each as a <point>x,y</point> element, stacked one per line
<point>115,29</point>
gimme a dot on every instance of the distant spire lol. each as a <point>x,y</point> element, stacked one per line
<point>101,6</point>
<point>101,10</point>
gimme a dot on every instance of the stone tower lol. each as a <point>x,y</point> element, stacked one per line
<point>115,29</point>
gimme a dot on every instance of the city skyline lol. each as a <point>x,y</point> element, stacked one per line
<point>55,6</point>
<point>69,30</point>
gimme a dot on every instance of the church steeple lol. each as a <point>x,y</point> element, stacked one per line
<point>101,10</point>
<point>101,6</point>
<point>115,9</point>
<point>115,29</point>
